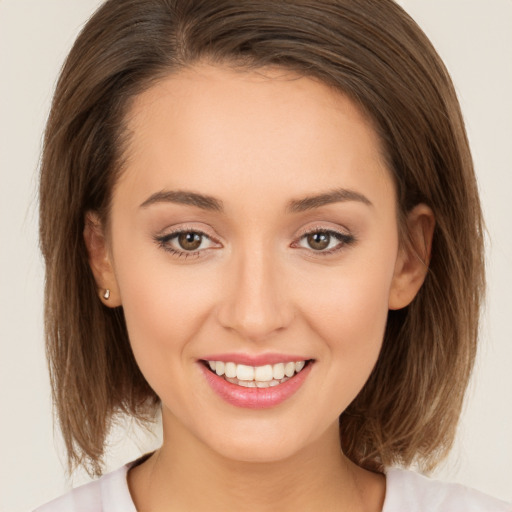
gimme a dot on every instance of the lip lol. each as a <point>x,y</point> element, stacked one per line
<point>255,360</point>
<point>255,398</point>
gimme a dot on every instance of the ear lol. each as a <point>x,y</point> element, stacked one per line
<point>100,260</point>
<point>413,257</point>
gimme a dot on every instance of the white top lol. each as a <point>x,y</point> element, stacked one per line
<point>406,491</point>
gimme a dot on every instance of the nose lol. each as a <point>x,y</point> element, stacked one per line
<point>255,303</point>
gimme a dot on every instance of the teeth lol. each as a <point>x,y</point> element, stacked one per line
<point>278,371</point>
<point>245,383</point>
<point>244,372</point>
<point>256,376</point>
<point>263,373</point>
<point>289,369</point>
<point>230,370</point>
<point>219,367</point>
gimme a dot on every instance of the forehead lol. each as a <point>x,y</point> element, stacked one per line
<point>208,125</point>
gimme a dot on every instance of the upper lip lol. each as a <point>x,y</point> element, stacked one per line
<point>255,360</point>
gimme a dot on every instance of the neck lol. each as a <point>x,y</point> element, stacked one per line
<point>185,474</point>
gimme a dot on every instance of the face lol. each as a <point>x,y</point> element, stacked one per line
<point>253,227</point>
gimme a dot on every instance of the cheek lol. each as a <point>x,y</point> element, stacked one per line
<point>351,303</point>
<point>164,308</point>
<point>351,321</point>
<point>349,316</point>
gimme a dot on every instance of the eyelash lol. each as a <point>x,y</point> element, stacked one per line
<point>164,241</point>
<point>344,240</point>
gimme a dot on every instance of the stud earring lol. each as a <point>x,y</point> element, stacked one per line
<point>106,295</point>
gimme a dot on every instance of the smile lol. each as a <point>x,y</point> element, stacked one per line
<point>256,376</point>
<point>255,387</point>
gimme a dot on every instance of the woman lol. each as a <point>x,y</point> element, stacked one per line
<point>273,233</point>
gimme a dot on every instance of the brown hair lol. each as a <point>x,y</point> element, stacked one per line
<point>371,51</point>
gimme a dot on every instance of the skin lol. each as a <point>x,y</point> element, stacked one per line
<point>254,141</point>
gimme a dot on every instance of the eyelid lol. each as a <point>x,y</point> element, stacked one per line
<point>165,236</point>
<point>187,228</point>
<point>344,237</point>
<point>314,228</point>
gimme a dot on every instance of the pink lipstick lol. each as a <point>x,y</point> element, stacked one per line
<point>255,382</point>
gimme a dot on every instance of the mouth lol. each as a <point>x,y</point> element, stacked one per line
<point>255,387</point>
<point>265,376</point>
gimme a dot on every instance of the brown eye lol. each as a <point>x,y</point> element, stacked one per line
<point>186,243</point>
<point>325,241</point>
<point>319,240</point>
<point>190,241</point>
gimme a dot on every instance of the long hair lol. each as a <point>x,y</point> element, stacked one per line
<point>369,50</point>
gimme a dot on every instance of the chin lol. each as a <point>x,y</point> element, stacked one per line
<point>260,452</point>
<point>259,443</point>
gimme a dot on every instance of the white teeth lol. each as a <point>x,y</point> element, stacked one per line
<point>256,376</point>
<point>255,383</point>
<point>244,383</point>
<point>244,372</point>
<point>263,373</point>
<point>219,367</point>
<point>230,370</point>
<point>289,369</point>
<point>278,371</point>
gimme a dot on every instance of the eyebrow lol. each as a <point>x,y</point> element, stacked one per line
<point>184,197</point>
<point>339,195</point>
<point>210,203</point>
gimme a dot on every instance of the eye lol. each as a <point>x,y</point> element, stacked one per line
<point>189,241</point>
<point>325,241</point>
<point>185,243</point>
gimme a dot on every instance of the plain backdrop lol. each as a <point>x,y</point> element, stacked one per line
<point>474,37</point>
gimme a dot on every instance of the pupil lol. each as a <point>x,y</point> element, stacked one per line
<point>319,241</point>
<point>189,241</point>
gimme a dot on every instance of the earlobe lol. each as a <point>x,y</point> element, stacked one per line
<point>413,258</point>
<point>100,260</point>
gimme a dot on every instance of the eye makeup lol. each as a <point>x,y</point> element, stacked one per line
<point>191,242</point>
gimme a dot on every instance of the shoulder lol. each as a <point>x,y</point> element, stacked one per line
<point>413,492</point>
<point>110,493</point>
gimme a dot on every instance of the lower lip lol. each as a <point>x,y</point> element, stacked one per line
<point>255,398</point>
